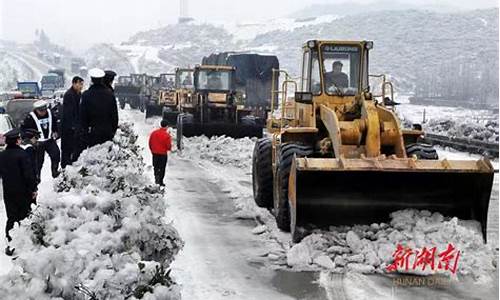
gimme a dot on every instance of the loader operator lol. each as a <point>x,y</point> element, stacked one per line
<point>187,81</point>
<point>336,78</point>
<point>43,120</point>
<point>170,83</point>
<point>98,111</point>
<point>214,82</point>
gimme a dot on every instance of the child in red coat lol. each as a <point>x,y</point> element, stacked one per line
<point>160,143</point>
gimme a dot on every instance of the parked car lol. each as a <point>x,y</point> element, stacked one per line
<point>6,124</point>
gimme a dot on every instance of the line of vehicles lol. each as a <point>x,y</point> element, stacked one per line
<point>14,105</point>
<point>228,94</point>
<point>335,152</point>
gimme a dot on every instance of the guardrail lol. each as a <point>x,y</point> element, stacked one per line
<point>461,144</point>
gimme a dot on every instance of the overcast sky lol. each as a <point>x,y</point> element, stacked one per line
<point>81,23</point>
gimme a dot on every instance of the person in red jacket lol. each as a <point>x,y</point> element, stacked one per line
<point>160,143</point>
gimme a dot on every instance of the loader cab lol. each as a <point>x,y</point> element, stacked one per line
<point>184,78</point>
<point>138,79</point>
<point>167,81</point>
<point>124,81</point>
<point>333,69</point>
<point>214,79</point>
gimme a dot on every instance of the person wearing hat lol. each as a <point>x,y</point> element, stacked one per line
<point>18,180</point>
<point>69,122</point>
<point>336,78</point>
<point>98,111</point>
<point>109,77</point>
<point>30,144</point>
<point>160,143</point>
<point>43,120</point>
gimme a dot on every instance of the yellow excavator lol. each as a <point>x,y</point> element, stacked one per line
<point>342,157</point>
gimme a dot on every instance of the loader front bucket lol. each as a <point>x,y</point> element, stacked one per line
<point>326,192</point>
<point>220,129</point>
<point>153,110</point>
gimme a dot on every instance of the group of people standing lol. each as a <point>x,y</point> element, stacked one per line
<point>88,119</point>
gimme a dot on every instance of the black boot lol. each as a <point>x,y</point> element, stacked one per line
<point>55,172</point>
<point>9,251</point>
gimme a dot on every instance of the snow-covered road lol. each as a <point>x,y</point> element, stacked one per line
<point>218,259</point>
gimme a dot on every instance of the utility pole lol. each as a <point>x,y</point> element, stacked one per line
<point>184,11</point>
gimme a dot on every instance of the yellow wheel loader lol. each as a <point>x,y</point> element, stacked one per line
<point>215,108</point>
<point>343,158</point>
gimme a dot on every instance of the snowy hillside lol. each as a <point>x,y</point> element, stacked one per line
<point>353,8</point>
<point>408,43</point>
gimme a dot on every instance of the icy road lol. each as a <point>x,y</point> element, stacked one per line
<point>222,258</point>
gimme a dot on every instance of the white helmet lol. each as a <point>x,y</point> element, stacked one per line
<point>40,104</point>
<point>96,73</point>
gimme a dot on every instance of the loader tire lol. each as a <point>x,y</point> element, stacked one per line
<point>248,120</point>
<point>182,119</point>
<point>422,151</point>
<point>262,173</point>
<point>282,211</point>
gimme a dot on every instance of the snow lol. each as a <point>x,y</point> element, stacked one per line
<point>249,30</point>
<point>101,229</point>
<point>361,248</point>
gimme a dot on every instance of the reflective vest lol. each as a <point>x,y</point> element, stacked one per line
<point>42,124</point>
<point>25,146</point>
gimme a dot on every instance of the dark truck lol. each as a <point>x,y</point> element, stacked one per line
<point>127,92</point>
<point>29,89</point>
<point>252,79</point>
<point>51,82</point>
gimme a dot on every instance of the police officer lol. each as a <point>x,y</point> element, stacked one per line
<point>30,145</point>
<point>43,120</point>
<point>69,124</point>
<point>18,180</point>
<point>98,111</point>
<point>109,77</point>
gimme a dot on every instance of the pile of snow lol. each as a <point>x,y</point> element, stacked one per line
<point>101,236</point>
<point>220,149</point>
<point>454,128</point>
<point>370,248</point>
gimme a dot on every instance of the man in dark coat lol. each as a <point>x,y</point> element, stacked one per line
<point>98,111</point>
<point>71,114</point>
<point>18,180</point>
<point>43,120</point>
